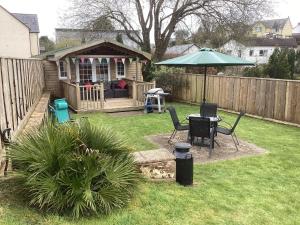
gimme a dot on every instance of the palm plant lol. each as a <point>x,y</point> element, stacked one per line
<point>77,168</point>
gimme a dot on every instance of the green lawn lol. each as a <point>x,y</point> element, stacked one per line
<point>256,190</point>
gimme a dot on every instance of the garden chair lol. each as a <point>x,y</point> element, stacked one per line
<point>208,109</point>
<point>178,126</point>
<point>230,131</point>
<point>201,127</point>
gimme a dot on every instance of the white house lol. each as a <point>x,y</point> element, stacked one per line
<point>19,36</point>
<point>296,34</point>
<point>257,50</point>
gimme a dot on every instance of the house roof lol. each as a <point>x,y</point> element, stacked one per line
<point>61,53</point>
<point>30,20</point>
<point>89,30</point>
<point>277,42</point>
<point>179,49</point>
<point>275,23</point>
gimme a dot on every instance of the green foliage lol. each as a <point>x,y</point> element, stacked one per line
<point>46,43</point>
<point>166,78</point>
<point>279,65</point>
<point>119,38</point>
<point>148,71</point>
<point>257,71</point>
<point>75,168</point>
<point>102,23</point>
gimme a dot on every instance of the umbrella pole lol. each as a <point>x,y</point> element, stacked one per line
<point>204,89</point>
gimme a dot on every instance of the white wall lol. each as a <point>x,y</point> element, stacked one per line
<point>234,47</point>
<point>34,44</point>
<point>14,37</point>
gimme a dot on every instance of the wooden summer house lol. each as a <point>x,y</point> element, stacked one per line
<point>98,76</point>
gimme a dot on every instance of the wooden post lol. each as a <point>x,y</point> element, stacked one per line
<point>134,91</point>
<point>78,100</point>
<point>68,68</point>
<point>136,68</point>
<point>102,95</point>
<point>77,71</point>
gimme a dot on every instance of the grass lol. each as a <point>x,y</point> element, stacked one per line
<point>256,190</point>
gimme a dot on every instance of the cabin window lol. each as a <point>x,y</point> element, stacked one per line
<point>120,69</point>
<point>251,52</point>
<point>62,70</point>
<point>102,70</point>
<point>85,71</point>
<point>263,52</point>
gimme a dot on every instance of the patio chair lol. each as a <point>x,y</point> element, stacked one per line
<point>201,127</point>
<point>208,109</point>
<point>178,126</point>
<point>230,131</point>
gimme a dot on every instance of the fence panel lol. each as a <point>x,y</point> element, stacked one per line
<point>21,86</point>
<point>270,98</point>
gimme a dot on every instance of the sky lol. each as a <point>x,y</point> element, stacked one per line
<point>49,11</point>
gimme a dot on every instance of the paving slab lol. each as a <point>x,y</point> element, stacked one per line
<point>153,156</point>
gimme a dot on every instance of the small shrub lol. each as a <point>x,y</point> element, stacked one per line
<point>257,71</point>
<point>167,79</point>
<point>75,168</point>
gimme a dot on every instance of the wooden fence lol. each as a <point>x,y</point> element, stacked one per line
<point>269,98</point>
<point>21,86</point>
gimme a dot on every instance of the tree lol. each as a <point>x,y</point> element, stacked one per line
<point>46,43</point>
<point>162,17</point>
<point>182,37</point>
<point>119,38</point>
<point>278,65</point>
<point>101,23</point>
<point>213,34</point>
<point>292,59</point>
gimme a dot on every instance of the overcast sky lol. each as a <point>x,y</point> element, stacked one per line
<point>49,11</point>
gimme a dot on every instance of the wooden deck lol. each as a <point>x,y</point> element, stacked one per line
<point>92,99</point>
<point>112,105</point>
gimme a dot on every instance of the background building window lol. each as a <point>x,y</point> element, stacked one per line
<point>263,52</point>
<point>120,69</point>
<point>85,71</point>
<point>258,29</point>
<point>240,53</point>
<point>62,68</point>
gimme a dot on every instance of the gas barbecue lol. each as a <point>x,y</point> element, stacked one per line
<point>155,99</point>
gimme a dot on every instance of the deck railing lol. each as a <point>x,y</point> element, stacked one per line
<point>91,98</point>
<point>84,98</point>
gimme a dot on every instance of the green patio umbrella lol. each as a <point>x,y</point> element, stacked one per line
<point>205,57</point>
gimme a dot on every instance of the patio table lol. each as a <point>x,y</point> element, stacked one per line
<point>213,119</point>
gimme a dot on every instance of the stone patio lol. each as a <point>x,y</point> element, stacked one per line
<point>160,164</point>
<point>225,151</point>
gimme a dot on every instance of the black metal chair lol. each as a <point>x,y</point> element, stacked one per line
<point>201,127</point>
<point>208,109</point>
<point>230,131</point>
<point>177,125</point>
